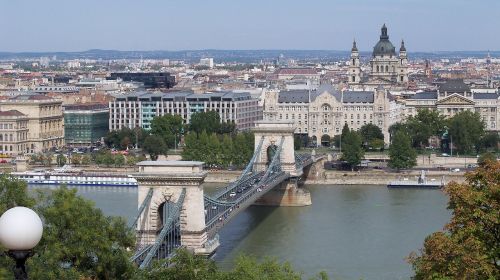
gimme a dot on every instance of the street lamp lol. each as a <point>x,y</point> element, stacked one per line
<point>20,231</point>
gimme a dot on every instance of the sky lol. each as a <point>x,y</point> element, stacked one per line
<point>425,25</point>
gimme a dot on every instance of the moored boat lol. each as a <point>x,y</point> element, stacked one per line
<point>421,182</point>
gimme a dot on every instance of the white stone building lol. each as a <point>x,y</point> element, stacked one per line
<point>325,111</point>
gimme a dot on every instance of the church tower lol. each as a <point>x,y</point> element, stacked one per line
<point>354,66</point>
<point>403,64</point>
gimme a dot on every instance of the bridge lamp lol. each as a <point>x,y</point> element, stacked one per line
<point>20,231</point>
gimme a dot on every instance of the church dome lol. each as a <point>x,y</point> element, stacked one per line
<point>384,46</point>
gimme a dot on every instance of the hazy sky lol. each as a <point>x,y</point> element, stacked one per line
<point>72,25</point>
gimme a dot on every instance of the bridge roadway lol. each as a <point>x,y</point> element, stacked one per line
<point>247,193</point>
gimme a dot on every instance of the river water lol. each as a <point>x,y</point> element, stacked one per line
<point>351,232</point>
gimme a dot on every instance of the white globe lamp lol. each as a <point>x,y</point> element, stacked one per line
<point>20,231</point>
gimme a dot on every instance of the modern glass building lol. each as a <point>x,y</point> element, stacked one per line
<point>85,124</point>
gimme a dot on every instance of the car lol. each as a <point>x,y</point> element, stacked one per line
<point>214,207</point>
<point>445,155</point>
<point>240,191</point>
<point>455,170</point>
<point>232,194</point>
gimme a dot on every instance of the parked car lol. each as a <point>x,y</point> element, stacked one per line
<point>232,194</point>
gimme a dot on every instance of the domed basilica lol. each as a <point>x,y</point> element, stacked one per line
<point>386,67</point>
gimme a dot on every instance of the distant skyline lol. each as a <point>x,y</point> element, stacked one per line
<point>425,25</point>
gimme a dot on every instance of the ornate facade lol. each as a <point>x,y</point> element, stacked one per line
<point>325,111</point>
<point>455,96</point>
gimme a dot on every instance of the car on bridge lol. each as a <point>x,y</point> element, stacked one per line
<point>232,194</point>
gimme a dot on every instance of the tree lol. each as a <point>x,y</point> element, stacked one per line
<point>119,160</point>
<point>86,160</point>
<point>190,151</point>
<point>13,192</point>
<point>297,142</point>
<point>486,157</point>
<point>205,121</point>
<point>489,142</point>
<point>61,160</point>
<point>169,127</point>
<point>469,248</point>
<point>401,153</point>
<point>155,146</point>
<point>79,242</point>
<point>425,124</point>
<point>227,150</point>
<point>345,130</point>
<point>227,128</point>
<point>466,129</point>
<point>76,159</point>
<point>352,152</point>
<point>188,266</point>
<point>370,132</point>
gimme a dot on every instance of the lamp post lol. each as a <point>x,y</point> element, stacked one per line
<point>20,231</point>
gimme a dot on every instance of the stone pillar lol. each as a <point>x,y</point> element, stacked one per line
<point>21,163</point>
<point>273,131</point>
<point>168,179</point>
<point>286,194</point>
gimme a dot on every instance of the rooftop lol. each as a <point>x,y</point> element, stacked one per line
<point>457,85</point>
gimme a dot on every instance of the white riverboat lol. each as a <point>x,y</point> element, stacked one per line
<point>74,177</point>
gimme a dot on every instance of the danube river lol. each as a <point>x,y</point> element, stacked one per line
<point>351,232</point>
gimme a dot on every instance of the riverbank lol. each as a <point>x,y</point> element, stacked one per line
<point>380,177</point>
<point>367,177</point>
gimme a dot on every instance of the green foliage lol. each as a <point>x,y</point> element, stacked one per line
<point>486,157</point>
<point>76,159</point>
<point>376,144</point>
<point>188,266</point>
<point>425,124</point>
<point>401,153</point>
<point>489,142</point>
<point>209,122</point>
<point>61,160</point>
<point>169,127</point>
<point>466,129</point>
<point>13,192</point>
<point>470,246</point>
<point>86,159</point>
<point>297,142</point>
<point>237,150</point>
<point>119,160</point>
<point>79,241</point>
<point>125,138</point>
<point>352,152</point>
<point>205,121</point>
<point>154,145</point>
<point>345,130</point>
<point>370,132</point>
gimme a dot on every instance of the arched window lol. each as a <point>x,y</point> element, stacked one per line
<point>386,68</point>
<point>353,78</point>
<point>377,69</point>
<point>353,62</point>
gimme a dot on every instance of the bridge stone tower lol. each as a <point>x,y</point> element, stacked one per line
<point>273,131</point>
<point>168,179</point>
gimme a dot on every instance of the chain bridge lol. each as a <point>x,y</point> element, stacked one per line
<point>174,211</point>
